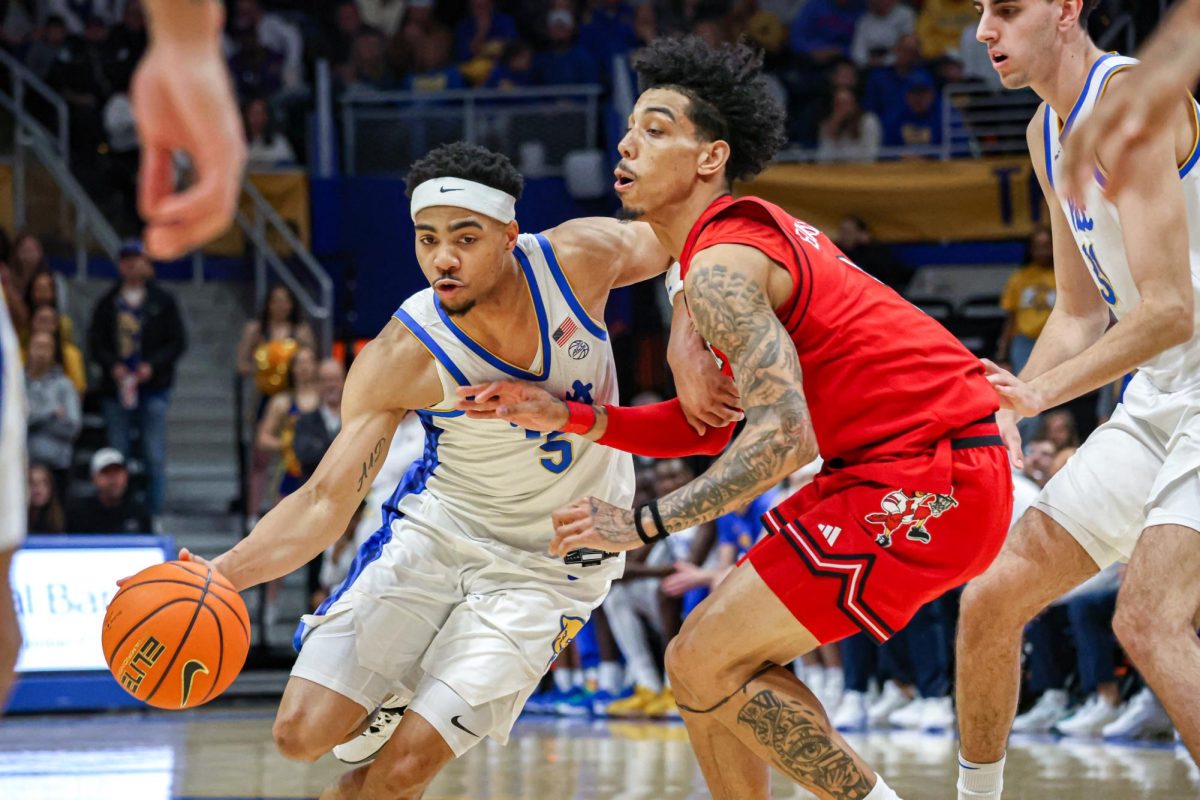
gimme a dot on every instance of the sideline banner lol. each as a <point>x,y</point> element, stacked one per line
<point>911,201</point>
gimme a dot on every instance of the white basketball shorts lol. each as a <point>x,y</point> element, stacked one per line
<point>1135,471</point>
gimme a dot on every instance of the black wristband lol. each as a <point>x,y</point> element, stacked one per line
<point>658,523</point>
<point>637,522</point>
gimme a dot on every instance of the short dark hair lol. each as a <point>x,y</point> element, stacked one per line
<point>1088,7</point>
<point>730,98</point>
<point>469,162</point>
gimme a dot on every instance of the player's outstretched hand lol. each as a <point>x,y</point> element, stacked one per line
<point>1014,393</point>
<point>183,100</point>
<point>531,407</point>
<point>1117,127</point>
<point>708,396</point>
<point>1006,421</point>
<point>593,523</point>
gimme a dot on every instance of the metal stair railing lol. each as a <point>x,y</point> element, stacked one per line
<point>318,304</point>
<point>52,150</point>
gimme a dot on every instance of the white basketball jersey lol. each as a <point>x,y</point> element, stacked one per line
<point>1097,228</point>
<point>13,478</point>
<point>489,478</point>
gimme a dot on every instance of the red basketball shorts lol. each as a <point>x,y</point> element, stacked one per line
<point>846,556</point>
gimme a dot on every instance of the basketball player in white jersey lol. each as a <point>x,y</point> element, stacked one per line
<point>1132,491</point>
<point>1137,107</point>
<point>13,481</point>
<point>454,605</point>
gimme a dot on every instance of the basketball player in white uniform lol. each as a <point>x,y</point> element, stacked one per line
<point>454,604</point>
<point>13,482</point>
<point>1132,492</point>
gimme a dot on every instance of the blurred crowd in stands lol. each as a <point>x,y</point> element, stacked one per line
<point>855,75</point>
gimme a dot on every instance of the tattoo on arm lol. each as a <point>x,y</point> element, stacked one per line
<point>802,746</point>
<point>369,464</point>
<point>732,312</point>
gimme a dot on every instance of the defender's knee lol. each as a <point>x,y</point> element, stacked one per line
<point>988,605</point>
<point>1140,629</point>
<point>407,775</point>
<point>297,739</point>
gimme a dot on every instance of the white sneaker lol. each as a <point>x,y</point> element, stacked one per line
<point>1089,719</point>
<point>1144,717</point>
<point>938,715</point>
<point>910,716</point>
<point>1049,709</point>
<point>834,689</point>
<point>890,701</point>
<point>851,713</point>
<point>363,748</point>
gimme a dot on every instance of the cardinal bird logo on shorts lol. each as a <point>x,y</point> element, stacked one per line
<point>909,515</point>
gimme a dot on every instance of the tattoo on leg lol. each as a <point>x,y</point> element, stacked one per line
<point>728,697</point>
<point>802,747</point>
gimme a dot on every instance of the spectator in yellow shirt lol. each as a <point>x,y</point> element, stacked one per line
<point>1028,298</point>
<point>941,23</point>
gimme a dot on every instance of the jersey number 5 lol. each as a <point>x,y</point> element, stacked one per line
<point>560,451</point>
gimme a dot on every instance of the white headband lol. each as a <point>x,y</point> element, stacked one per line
<point>460,193</point>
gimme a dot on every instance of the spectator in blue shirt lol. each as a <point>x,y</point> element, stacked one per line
<point>484,33</point>
<point>919,123</point>
<point>608,30</point>
<point>432,68</point>
<point>824,29</point>
<point>886,86</point>
<point>515,69</point>
<point>565,62</point>
<point>737,532</point>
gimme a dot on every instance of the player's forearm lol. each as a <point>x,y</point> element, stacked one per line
<point>658,430</point>
<point>1147,331</point>
<point>292,534</point>
<point>186,23</point>
<point>1063,337</point>
<point>776,441</point>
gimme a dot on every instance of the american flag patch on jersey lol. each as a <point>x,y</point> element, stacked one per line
<point>564,330</point>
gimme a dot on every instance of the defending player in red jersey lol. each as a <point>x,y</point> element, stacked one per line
<point>915,497</point>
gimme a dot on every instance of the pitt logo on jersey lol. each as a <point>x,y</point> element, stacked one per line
<point>571,626</point>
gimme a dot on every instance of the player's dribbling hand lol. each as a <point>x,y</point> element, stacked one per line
<point>184,555</point>
<point>183,100</point>
<point>1015,394</point>
<point>523,404</point>
<point>593,523</point>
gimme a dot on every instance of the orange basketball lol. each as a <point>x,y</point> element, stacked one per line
<point>176,635</point>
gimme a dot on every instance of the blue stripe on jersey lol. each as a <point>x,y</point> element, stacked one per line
<point>432,346</point>
<point>414,482</point>
<point>1191,162</point>
<point>1087,85</point>
<point>564,286</point>
<point>1046,135</point>
<point>539,309</point>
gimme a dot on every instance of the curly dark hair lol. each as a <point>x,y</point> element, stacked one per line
<point>469,162</point>
<point>728,93</point>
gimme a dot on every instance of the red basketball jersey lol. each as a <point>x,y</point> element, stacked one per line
<point>884,381</point>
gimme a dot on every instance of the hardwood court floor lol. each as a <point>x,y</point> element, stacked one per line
<point>226,753</point>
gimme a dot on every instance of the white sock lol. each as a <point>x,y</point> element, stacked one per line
<point>591,678</point>
<point>612,675</point>
<point>576,677</point>
<point>881,791</point>
<point>562,679</point>
<point>980,781</point>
